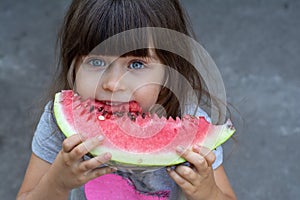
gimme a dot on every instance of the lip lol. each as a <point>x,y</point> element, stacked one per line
<point>114,103</point>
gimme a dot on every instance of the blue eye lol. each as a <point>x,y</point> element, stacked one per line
<point>97,62</point>
<point>136,65</point>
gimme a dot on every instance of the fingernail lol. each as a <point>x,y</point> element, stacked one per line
<point>100,137</point>
<point>107,156</point>
<point>113,169</point>
<point>179,149</point>
<point>196,147</point>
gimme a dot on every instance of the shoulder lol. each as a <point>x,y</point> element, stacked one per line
<point>193,109</point>
<point>47,140</point>
<point>47,121</point>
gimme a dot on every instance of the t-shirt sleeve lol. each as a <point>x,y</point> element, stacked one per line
<point>219,157</point>
<point>47,139</point>
<point>219,150</point>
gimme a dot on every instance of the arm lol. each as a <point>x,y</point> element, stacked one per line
<point>200,181</point>
<point>54,181</point>
<point>223,184</point>
<point>36,183</point>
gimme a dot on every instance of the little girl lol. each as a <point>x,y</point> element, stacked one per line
<point>124,69</point>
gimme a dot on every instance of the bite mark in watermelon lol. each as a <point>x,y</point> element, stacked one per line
<point>133,137</point>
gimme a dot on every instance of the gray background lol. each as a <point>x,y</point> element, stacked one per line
<point>255,44</point>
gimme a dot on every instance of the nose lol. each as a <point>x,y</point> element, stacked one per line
<point>113,79</point>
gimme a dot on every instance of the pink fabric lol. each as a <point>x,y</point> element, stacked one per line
<point>114,187</point>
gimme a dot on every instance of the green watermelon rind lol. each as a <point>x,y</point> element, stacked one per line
<point>164,159</point>
<point>119,157</point>
<point>66,128</point>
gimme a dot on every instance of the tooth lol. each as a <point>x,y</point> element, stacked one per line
<point>100,109</point>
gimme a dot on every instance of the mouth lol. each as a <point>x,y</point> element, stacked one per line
<point>118,106</point>
<point>114,103</point>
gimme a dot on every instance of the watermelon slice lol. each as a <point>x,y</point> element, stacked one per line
<point>132,137</point>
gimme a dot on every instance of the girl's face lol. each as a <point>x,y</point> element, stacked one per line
<point>116,80</point>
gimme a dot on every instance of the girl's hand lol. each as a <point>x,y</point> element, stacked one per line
<point>196,181</point>
<point>69,170</point>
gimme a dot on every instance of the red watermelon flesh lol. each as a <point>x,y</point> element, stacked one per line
<point>133,137</point>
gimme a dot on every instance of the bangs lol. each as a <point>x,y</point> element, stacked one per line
<point>143,53</point>
<point>97,26</point>
<point>106,19</point>
<point>134,42</point>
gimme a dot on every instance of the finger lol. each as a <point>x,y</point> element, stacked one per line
<point>71,142</point>
<point>209,155</point>
<point>85,147</point>
<point>94,162</point>
<point>187,173</point>
<point>194,158</point>
<point>181,182</point>
<point>99,172</point>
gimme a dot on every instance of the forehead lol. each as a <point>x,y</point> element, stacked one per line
<point>141,53</point>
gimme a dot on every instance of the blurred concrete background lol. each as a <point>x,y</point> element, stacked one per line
<point>255,44</point>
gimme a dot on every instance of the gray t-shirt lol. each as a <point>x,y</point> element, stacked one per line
<point>134,184</point>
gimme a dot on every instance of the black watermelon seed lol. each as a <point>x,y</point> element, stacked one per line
<point>92,108</point>
<point>143,115</point>
<point>131,116</point>
<point>118,114</point>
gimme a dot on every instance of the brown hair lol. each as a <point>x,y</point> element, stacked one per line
<point>90,22</point>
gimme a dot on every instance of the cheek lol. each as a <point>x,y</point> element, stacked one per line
<point>86,83</point>
<point>147,96</point>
